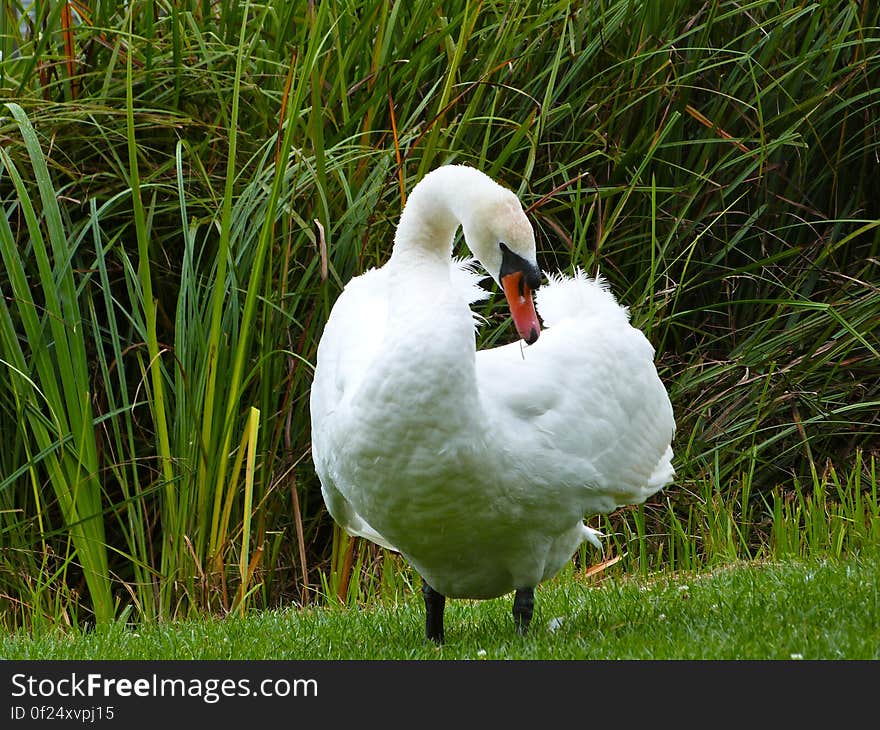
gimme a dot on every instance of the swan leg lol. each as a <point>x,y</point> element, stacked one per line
<point>434,605</point>
<point>523,606</point>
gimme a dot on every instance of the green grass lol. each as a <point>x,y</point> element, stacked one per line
<point>817,609</point>
<point>185,193</point>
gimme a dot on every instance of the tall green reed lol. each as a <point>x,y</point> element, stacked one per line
<point>222,174</point>
<point>50,385</point>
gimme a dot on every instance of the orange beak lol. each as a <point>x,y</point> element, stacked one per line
<point>522,308</point>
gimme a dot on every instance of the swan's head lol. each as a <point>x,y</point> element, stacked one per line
<point>499,234</point>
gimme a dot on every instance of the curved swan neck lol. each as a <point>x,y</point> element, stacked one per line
<point>442,201</point>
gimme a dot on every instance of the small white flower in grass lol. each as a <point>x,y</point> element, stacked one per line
<point>481,652</point>
<point>555,623</point>
<point>797,656</point>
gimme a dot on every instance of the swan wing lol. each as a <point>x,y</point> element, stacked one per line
<point>583,406</point>
<point>350,342</point>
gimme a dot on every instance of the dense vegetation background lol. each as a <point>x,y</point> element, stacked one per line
<point>187,186</point>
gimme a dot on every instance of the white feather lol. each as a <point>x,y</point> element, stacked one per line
<point>575,296</point>
<point>479,467</point>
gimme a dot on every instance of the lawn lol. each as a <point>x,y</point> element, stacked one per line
<point>815,609</point>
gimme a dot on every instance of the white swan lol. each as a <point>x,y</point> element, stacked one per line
<point>479,467</point>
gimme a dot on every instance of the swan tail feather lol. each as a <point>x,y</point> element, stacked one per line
<point>593,537</point>
<point>663,473</point>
